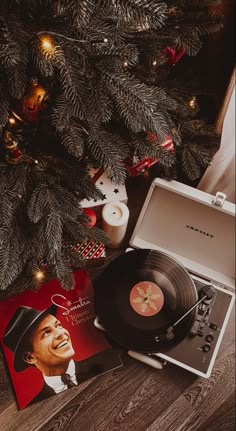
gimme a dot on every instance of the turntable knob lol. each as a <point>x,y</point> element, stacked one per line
<point>209,338</point>
<point>206,348</point>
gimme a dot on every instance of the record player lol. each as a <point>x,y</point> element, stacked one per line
<point>169,297</point>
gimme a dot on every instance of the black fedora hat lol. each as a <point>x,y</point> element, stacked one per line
<point>15,335</point>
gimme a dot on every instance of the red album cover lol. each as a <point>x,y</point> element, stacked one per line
<point>50,341</point>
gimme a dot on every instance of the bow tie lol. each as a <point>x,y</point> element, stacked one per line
<point>66,379</point>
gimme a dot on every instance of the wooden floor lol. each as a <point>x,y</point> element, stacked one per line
<point>134,398</point>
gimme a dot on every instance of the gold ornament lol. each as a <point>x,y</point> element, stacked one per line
<point>9,141</point>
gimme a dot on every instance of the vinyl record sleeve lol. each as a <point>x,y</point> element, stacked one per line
<point>75,312</point>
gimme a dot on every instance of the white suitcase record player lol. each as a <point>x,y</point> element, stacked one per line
<point>198,230</point>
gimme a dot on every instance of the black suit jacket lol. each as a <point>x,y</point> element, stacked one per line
<point>97,364</point>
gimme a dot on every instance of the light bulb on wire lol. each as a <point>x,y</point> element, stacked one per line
<point>193,103</point>
<point>46,44</point>
<point>39,275</point>
<point>12,121</point>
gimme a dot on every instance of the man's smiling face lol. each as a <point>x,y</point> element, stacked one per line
<point>51,345</point>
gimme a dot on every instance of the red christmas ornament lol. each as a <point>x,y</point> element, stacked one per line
<point>167,144</point>
<point>136,166</point>
<point>92,215</point>
<point>29,108</point>
<point>14,156</point>
<point>173,54</point>
<point>31,113</point>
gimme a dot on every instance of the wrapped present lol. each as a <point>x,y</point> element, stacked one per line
<point>110,191</point>
<point>92,251</point>
<point>137,166</point>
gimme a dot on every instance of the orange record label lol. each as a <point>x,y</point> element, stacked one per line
<point>146,298</point>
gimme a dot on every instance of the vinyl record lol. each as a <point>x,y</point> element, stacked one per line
<point>140,295</point>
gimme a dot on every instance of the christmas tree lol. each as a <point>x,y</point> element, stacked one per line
<point>89,83</point>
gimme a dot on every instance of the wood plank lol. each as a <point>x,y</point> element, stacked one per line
<point>32,417</point>
<point>229,336</point>
<point>6,390</point>
<point>224,417</point>
<point>201,400</point>
<point>140,395</point>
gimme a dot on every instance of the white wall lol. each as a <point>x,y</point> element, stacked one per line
<point>220,176</point>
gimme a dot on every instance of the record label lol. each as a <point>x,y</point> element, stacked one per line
<point>146,298</point>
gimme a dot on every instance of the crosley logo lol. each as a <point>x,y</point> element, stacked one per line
<point>202,232</point>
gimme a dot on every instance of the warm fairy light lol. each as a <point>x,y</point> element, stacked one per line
<point>46,43</point>
<point>154,63</point>
<point>12,121</point>
<point>105,40</point>
<point>193,102</point>
<point>39,275</point>
<point>126,64</point>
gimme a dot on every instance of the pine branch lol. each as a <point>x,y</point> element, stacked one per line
<point>42,62</point>
<point>14,55</point>
<point>104,148</point>
<point>4,104</point>
<point>61,113</point>
<point>101,104</point>
<point>73,86</point>
<point>36,206</point>
<point>140,15</point>
<point>200,143</point>
<point>108,81</point>
<point>73,140</point>
<point>143,149</point>
<point>138,104</point>
<point>63,271</point>
<point>80,12</point>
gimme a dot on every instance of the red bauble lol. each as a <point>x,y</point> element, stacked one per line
<point>166,145</point>
<point>173,54</point>
<point>92,215</point>
<point>30,107</point>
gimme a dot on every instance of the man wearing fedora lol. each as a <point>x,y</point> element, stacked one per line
<point>38,339</point>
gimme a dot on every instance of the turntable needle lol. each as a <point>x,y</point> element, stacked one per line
<point>208,292</point>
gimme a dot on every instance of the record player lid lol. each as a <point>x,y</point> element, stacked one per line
<point>187,224</point>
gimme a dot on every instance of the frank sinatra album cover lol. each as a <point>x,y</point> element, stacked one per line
<point>49,339</point>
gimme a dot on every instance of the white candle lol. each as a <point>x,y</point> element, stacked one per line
<point>115,216</point>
